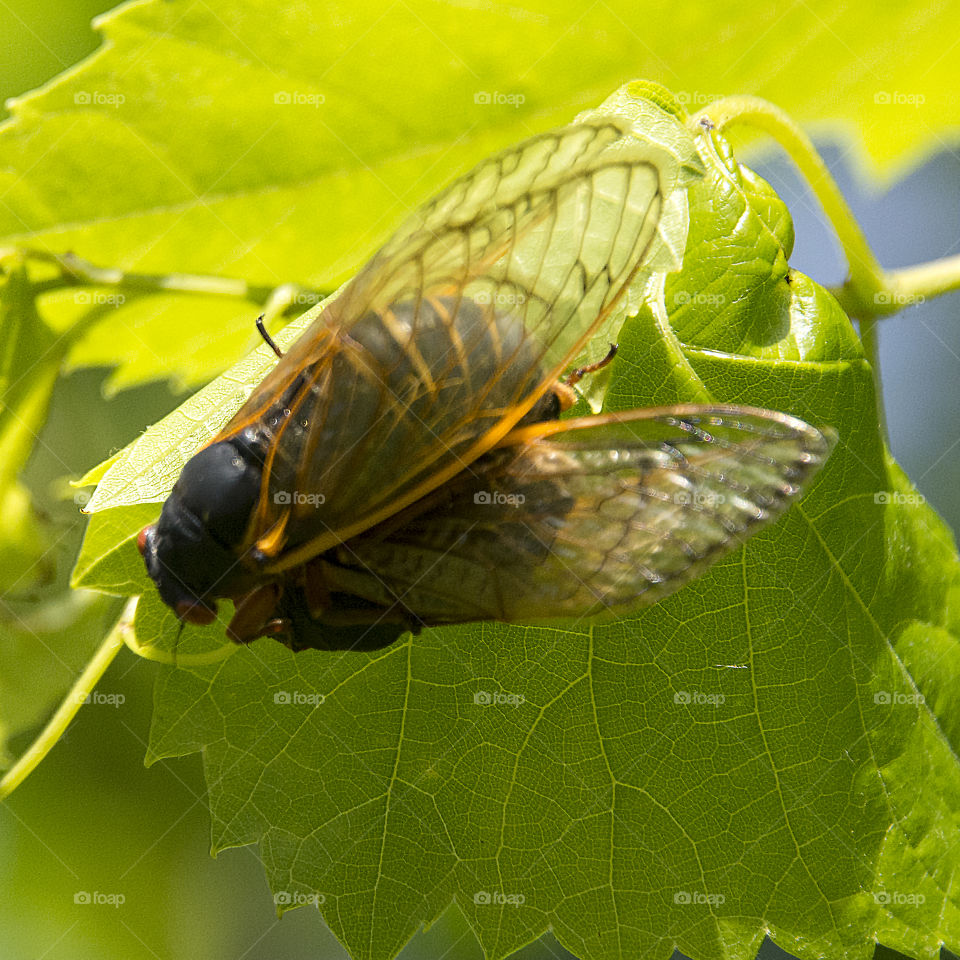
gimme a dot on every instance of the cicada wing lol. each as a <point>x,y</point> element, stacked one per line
<point>445,340</point>
<point>547,232</point>
<point>589,517</point>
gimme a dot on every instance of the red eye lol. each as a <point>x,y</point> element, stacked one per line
<point>142,539</point>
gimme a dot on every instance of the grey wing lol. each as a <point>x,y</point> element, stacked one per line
<point>590,517</point>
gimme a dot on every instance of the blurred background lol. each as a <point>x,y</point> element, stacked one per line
<point>92,818</point>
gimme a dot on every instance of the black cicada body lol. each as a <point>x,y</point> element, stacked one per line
<point>404,464</point>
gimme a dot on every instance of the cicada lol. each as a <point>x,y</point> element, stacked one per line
<point>405,464</point>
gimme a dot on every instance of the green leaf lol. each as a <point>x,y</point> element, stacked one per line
<point>195,141</point>
<point>770,750</point>
<point>108,559</point>
<point>738,250</point>
<point>818,812</point>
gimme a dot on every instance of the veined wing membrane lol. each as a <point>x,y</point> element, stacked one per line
<point>447,337</point>
<point>588,517</point>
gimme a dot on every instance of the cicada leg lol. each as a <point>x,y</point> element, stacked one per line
<point>254,613</point>
<point>575,376</point>
<point>563,389</point>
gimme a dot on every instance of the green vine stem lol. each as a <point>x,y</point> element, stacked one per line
<point>71,703</point>
<point>75,271</point>
<point>869,292</point>
<point>913,284</point>
<point>122,634</point>
<point>869,337</point>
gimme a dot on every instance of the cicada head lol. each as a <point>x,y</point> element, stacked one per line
<point>191,551</point>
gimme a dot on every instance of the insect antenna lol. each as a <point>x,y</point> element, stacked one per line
<point>267,338</point>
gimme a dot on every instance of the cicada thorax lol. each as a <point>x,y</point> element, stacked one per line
<point>458,365</point>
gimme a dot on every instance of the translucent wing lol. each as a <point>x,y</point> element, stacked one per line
<point>587,517</point>
<point>445,340</point>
